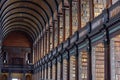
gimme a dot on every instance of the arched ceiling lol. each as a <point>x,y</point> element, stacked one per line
<point>29,16</point>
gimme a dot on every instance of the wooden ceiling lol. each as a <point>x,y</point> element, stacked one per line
<point>29,16</point>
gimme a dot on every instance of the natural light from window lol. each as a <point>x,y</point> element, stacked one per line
<point>15,79</point>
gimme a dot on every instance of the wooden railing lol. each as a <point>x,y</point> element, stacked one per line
<point>97,23</point>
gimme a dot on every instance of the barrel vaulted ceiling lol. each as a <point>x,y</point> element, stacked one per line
<point>29,16</point>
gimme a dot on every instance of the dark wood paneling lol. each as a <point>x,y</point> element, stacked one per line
<point>17,39</point>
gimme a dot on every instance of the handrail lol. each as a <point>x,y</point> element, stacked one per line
<point>101,19</point>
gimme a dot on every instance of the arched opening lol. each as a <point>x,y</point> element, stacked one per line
<point>17,45</point>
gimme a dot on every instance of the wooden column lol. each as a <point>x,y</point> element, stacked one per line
<point>63,24</point>
<point>107,57</point>
<point>56,69</point>
<point>108,3</point>
<point>89,50</point>
<point>53,34</point>
<point>77,65</point>
<point>46,42</point>
<point>70,19</point>
<point>37,51</point>
<point>91,3</point>
<point>51,71</point>
<point>40,48</point>
<point>61,65</point>
<point>35,54</point>
<point>79,14</point>
<point>48,39</point>
<point>58,21</point>
<point>68,67</point>
<point>43,71</point>
<point>43,44</point>
<point>46,71</point>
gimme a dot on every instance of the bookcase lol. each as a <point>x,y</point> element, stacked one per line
<point>72,68</point>
<point>83,65</point>
<point>98,62</point>
<point>65,69</point>
<point>115,57</point>
<point>58,71</point>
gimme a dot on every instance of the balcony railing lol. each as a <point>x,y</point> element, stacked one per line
<point>105,17</point>
<point>17,68</point>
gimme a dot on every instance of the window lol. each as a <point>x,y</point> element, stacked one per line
<point>85,13</point>
<point>74,16</point>
<point>115,58</point>
<point>15,79</point>
<point>72,68</point>
<point>98,62</point>
<point>65,70</point>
